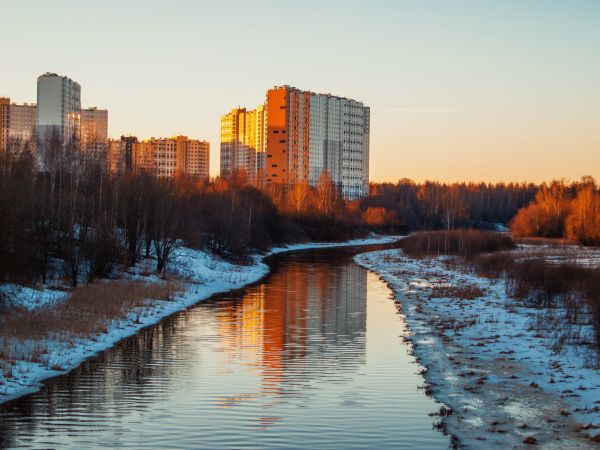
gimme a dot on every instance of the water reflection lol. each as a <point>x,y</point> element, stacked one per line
<point>310,357</point>
<point>283,329</point>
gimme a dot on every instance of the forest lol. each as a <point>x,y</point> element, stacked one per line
<point>76,220</point>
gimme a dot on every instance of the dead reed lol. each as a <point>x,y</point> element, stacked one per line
<point>89,311</point>
<point>466,243</point>
<point>540,283</point>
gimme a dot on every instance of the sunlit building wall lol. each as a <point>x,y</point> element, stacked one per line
<point>243,143</point>
<point>143,155</point>
<point>167,157</point>
<point>194,156</point>
<point>17,123</point>
<point>94,131</point>
<point>310,134</point>
<point>116,156</point>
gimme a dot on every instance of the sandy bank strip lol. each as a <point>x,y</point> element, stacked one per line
<point>204,275</point>
<point>495,363</point>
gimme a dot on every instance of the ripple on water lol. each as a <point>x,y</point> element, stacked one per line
<point>308,358</point>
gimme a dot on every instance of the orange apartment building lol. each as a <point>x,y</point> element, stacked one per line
<point>307,134</point>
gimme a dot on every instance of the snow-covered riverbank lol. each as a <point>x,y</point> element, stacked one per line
<point>201,275</point>
<point>508,375</point>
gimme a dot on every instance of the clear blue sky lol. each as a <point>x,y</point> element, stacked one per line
<point>459,90</point>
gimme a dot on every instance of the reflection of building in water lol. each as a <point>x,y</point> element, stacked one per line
<point>298,322</point>
<point>340,298</point>
<point>241,324</point>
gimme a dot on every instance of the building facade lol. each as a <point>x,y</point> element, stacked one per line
<point>120,154</point>
<point>93,131</point>
<point>243,143</point>
<point>304,136</point>
<point>168,157</point>
<point>194,157</point>
<point>17,123</point>
<point>310,134</point>
<point>58,107</point>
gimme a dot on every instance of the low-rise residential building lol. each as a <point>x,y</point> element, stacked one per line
<point>17,123</point>
<point>120,154</point>
<point>93,129</point>
<point>168,157</point>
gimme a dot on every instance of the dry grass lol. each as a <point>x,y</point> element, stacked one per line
<point>465,292</point>
<point>24,335</point>
<point>544,241</point>
<point>539,283</point>
<point>465,243</point>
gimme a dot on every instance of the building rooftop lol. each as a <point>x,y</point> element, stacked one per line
<point>287,86</point>
<point>54,75</point>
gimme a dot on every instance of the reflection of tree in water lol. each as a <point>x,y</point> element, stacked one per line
<point>305,323</point>
<point>108,384</point>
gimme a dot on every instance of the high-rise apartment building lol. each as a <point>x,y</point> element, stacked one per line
<point>167,157</point>
<point>115,155</point>
<point>309,134</point>
<point>93,131</point>
<point>194,156</point>
<point>339,131</point>
<point>288,122</point>
<point>243,143</point>
<point>120,154</point>
<point>58,107</point>
<point>304,135</point>
<point>17,123</point>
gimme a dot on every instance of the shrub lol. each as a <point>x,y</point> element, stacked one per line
<point>466,243</point>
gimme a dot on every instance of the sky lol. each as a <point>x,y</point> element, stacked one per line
<point>477,90</point>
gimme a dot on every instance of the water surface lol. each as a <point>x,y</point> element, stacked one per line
<point>311,357</point>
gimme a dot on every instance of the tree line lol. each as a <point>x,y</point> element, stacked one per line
<point>433,205</point>
<point>562,210</point>
<point>62,213</point>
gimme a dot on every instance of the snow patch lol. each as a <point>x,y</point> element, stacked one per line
<point>504,369</point>
<point>203,275</point>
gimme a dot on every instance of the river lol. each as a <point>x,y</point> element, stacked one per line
<point>312,356</point>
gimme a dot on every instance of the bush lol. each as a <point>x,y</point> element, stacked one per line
<point>466,243</point>
<point>543,284</point>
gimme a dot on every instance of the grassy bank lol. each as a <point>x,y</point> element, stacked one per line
<point>564,286</point>
<point>89,311</point>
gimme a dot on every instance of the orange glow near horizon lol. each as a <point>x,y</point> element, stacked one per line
<point>470,91</point>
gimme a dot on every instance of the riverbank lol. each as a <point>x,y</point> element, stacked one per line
<point>509,378</point>
<point>198,275</point>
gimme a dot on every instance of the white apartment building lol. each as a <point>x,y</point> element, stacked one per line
<point>58,106</point>
<point>339,143</point>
